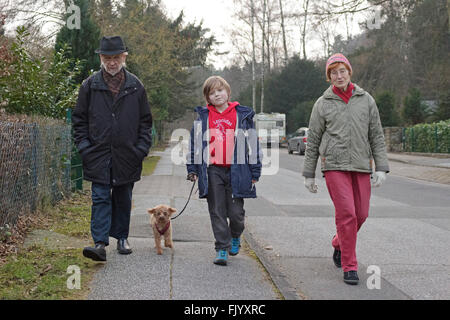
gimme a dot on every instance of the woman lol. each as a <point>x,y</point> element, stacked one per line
<point>345,130</point>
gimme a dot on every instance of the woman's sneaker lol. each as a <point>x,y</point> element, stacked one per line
<point>221,258</point>
<point>351,277</point>
<point>235,244</point>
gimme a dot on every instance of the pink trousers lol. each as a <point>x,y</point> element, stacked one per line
<point>350,193</point>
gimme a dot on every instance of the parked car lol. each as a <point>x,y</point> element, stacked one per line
<point>284,140</point>
<point>298,141</point>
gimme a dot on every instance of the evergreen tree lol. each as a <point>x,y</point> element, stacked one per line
<point>414,109</point>
<point>299,116</point>
<point>443,112</point>
<point>299,81</point>
<point>386,106</point>
<point>83,42</point>
<point>104,16</point>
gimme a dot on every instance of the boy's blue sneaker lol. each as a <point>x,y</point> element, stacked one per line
<point>235,245</point>
<point>221,258</point>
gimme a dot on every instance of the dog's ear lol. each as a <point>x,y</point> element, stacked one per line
<point>172,211</point>
<point>151,211</point>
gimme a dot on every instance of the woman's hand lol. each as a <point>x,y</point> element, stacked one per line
<point>378,178</point>
<point>310,184</point>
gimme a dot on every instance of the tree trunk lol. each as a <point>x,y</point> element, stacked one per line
<point>263,54</point>
<point>268,37</point>
<point>283,30</point>
<point>252,4</point>
<point>305,6</point>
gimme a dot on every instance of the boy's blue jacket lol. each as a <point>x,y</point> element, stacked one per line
<point>242,171</point>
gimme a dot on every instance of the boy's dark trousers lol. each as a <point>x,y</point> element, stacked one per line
<point>222,205</point>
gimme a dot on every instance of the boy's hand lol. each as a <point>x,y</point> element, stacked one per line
<point>191,177</point>
<point>254,181</point>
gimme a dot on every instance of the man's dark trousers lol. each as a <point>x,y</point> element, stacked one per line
<point>222,205</point>
<point>111,209</point>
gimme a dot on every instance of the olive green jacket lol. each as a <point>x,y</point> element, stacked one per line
<point>346,136</point>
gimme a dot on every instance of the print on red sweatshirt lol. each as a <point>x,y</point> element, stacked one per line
<point>221,131</point>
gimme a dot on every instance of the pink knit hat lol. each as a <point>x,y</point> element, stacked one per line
<point>338,57</point>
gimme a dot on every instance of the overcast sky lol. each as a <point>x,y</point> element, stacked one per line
<point>217,15</point>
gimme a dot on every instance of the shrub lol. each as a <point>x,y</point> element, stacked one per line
<point>31,86</point>
<point>433,137</point>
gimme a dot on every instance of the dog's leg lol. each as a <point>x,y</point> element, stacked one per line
<point>159,250</point>
<point>168,241</point>
<point>168,238</point>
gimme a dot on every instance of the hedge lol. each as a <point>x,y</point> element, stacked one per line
<point>429,137</point>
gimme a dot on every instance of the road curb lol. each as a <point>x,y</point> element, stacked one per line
<point>278,278</point>
<point>418,164</point>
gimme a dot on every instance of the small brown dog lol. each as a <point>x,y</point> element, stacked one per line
<point>160,221</point>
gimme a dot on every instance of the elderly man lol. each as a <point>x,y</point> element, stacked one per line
<point>112,129</point>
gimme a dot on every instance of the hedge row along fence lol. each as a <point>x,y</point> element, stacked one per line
<point>433,137</point>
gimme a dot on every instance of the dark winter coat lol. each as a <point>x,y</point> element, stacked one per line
<point>242,174</point>
<point>113,136</point>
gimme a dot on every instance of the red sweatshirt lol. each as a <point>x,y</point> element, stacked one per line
<point>345,95</point>
<point>221,130</point>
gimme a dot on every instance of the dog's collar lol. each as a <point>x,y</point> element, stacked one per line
<point>161,232</point>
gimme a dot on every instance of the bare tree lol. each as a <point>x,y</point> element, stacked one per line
<point>36,14</point>
<point>253,55</point>
<point>346,22</point>
<point>305,9</point>
<point>246,15</point>
<point>283,30</point>
<point>263,53</point>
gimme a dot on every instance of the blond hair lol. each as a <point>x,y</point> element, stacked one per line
<point>213,83</point>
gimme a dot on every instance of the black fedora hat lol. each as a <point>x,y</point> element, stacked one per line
<point>111,46</point>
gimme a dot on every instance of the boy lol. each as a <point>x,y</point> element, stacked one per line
<point>225,158</point>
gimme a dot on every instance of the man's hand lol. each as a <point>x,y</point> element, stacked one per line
<point>191,177</point>
<point>378,178</point>
<point>310,184</point>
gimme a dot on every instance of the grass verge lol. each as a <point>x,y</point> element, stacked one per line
<point>39,271</point>
<point>252,254</point>
<point>149,164</point>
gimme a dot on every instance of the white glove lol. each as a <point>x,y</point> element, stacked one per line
<point>310,184</point>
<point>378,178</point>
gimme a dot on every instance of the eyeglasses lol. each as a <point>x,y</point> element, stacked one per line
<point>342,71</point>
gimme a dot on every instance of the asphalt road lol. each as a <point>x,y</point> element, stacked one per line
<point>405,240</point>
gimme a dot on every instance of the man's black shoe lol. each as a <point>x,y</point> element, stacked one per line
<point>351,277</point>
<point>337,258</point>
<point>97,253</point>
<point>123,246</point>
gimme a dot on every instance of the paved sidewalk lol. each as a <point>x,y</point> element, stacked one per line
<point>427,161</point>
<point>419,167</point>
<point>187,272</point>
